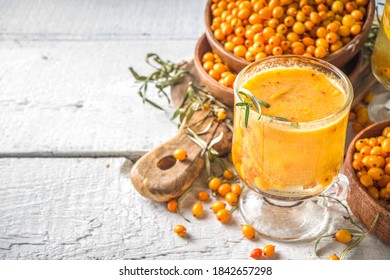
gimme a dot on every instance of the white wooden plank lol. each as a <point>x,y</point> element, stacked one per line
<point>88,209</point>
<point>80,96</point>
<point>100,19</point>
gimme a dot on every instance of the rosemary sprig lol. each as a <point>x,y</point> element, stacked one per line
<point>258,103</point>
<point>166,74</point>
<point>248,105</point>
<point>360,232</point>
<point>179,204</point>
<point>360,239</point>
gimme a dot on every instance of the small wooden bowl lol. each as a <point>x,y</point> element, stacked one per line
<point>338,58</point>
<point>222,93</point>
<point>363,206</point>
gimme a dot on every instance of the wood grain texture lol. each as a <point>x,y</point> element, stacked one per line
<point>80,96</point>
<point>57,20</point>
<point>85,209</point>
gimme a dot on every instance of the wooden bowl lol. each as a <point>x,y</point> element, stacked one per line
<point>338,58</point>
<point>222,93</point>
<point>363,206</point>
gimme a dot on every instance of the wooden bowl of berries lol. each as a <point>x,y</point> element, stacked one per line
<point>213,73</point>
<point>331,30</point>
<point>367,166</point>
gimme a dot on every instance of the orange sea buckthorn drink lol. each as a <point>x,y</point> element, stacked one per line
<point>295,150</point>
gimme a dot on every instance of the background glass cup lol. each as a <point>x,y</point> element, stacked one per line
<point>381,53</point>
<point>285,164</point>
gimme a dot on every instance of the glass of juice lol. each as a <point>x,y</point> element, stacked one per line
<point>381,53</point>
<point>289,147</point>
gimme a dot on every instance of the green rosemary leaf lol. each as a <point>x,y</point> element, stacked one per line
<point>242,104</point>
<point>207,128</point>
<point>360,239</point>
<point>247,93</point>
<point>265,104</point>
<point>279,118</point>
<point>189,115</point>
<point>215,141</point>
<point>207,163</point>
<point>137,76</point>
<point>318,241</point>
<point>153,104</point>
<point>179,204</point>
<point>246,115</point>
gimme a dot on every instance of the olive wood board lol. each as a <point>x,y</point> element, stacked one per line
<point>158,175</point>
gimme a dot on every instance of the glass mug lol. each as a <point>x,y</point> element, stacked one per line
<point>284,164</point>
<point>381,53</point>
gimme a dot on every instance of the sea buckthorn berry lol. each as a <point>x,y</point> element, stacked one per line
<point>248,231</point>
<point>360,144</point>
<point>214,183</point>
<point>172,205</point>
<point>298,27</point>
<point>343,236</point>
<point>386,132</point>
<point>375,173</point>
<point>373,192</point>
<point>197,209</point>
<point>218,205</point>
<point>334,257</point>
<point>384,194</point>
<point>221,115</point>
<point>320,52</point>
<point>180,154</point>
<point>350,6</point>
<point>214,74</point>
<point>387,168</point>
<point>228,174</point>
<point>277,50</point>
<point>269,250</point>
<point>376,150</point>
<point>224,189</point>
<point>229,46</point>
<point>355,29</point>
<point>365,151</point>
<point>257,253</point>
<point>219,68</point>
<point>231,198</point>
<point>240,50</point>
<point>357,165</point>
<point>223,215</point>
<point>208,56</point>
<point>382,183</point>
<point>386,145</point>
<point>180,230</point>
<point>331,37</point>
<point>203,196</point>
<point>236,188</point>
<point>366,181</point>
<point>229,79</point>
<point>374,161</point>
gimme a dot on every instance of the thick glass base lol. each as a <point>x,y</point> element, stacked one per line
<point>284,221</point>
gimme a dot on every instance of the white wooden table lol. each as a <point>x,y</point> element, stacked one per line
<point>71,124</point>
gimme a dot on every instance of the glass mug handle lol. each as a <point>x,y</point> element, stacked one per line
<point>337,190</point>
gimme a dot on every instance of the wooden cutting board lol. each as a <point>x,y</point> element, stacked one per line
<point>158,175</point>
